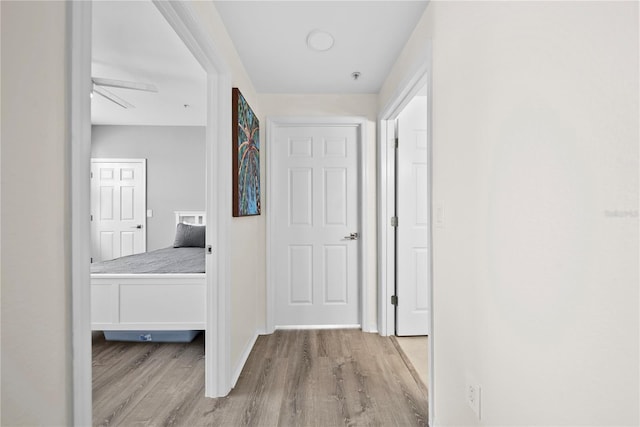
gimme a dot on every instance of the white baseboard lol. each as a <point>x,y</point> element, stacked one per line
<point>243,358</point>
<point>372,329</point>
<point>292,327</point>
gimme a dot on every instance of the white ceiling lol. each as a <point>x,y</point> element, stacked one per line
<point>132,41</point>
<point>270,37</point>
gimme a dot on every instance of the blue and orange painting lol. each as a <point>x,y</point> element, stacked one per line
<point>246,154</point>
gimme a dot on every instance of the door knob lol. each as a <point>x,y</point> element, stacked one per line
<point>137,226</point>
<point>352,236</point>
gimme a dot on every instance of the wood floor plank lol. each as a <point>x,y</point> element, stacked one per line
<point>291,378</point>
<point>172,396</point>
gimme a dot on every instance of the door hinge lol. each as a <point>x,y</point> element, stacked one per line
<point>394,221</point>
<point>396,142</point>
<point>91,262</point>
<point>394,300</point>
<point>209,249</point>
<point>91,174</point>
<point>91,217</point>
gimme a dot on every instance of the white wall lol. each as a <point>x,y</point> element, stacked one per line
<point>36,287</point>
<point>248,270</point>
<point>341,105</point>
<point>535,154</point>
<point>175,170</point>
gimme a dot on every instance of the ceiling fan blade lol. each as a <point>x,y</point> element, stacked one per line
<point>112,97</point>
<point>147,87</point>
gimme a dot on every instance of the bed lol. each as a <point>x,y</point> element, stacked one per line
<point>157,291</point>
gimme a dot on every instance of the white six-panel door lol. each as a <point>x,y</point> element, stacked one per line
<point>118,208</point>
<point>412,209</point>
<point>315,204</point>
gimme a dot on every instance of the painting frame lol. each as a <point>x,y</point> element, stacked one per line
<point>245,157</point>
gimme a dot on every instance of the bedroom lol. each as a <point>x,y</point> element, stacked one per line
<point>166,126</point>
<point>148,169</point>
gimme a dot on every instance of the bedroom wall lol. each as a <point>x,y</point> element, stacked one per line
<point>36,287</point>
<point>175,170</point>
<point>248,270</point>
<point>535,154</point>
<point>341,105</point>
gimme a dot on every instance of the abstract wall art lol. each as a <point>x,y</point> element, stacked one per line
<point>246,158</point>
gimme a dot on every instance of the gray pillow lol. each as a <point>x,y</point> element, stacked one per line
<point>189,236</point>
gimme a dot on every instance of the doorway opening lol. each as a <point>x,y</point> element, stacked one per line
<point>412,219</point>
<point>181,18</point>
<point>412,222</point>
<point>405,303</point>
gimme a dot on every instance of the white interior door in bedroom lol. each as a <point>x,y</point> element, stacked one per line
<point>316,225</point>
<point>412,210</point>
<point>118,208</point>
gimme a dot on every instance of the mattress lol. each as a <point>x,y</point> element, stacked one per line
<point>162,261</point>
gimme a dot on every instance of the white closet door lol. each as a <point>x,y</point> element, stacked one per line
<point>315,172</point>
<point>118,208</point>
<point>412,209</point>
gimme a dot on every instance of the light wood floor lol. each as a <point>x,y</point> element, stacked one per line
<point>292,378</point>
<point>417,351</point>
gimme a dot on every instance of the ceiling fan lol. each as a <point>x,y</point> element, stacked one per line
<point>99,85</point>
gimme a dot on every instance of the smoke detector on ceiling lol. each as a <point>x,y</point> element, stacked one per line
<point>319,40</point>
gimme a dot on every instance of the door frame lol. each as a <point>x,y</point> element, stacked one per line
<point>185,22</point>
<point>360,124</point>
<point>420,76</point>
<point>142,162</point>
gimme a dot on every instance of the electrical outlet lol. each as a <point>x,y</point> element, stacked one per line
<point>473,398</point>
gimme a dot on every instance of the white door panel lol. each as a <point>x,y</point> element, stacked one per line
<point>412,209</point>
<point>315,172</point>
<point>118,208</point>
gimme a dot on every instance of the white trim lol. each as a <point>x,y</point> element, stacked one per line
<point>243,359</point>
<point>182,18</point>
<point>361,124</point>
<point>314,327</point>
<point>116,160</point>
<point>386,164</point>
<point>386,200</point>
<point>79,83</point>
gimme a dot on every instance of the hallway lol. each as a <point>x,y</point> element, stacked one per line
<point>292,378</point>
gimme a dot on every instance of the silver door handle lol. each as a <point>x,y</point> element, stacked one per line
<point>137,226</point>
<point>352,236</point>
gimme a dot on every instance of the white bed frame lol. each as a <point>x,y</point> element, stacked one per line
<point>152,302</point>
